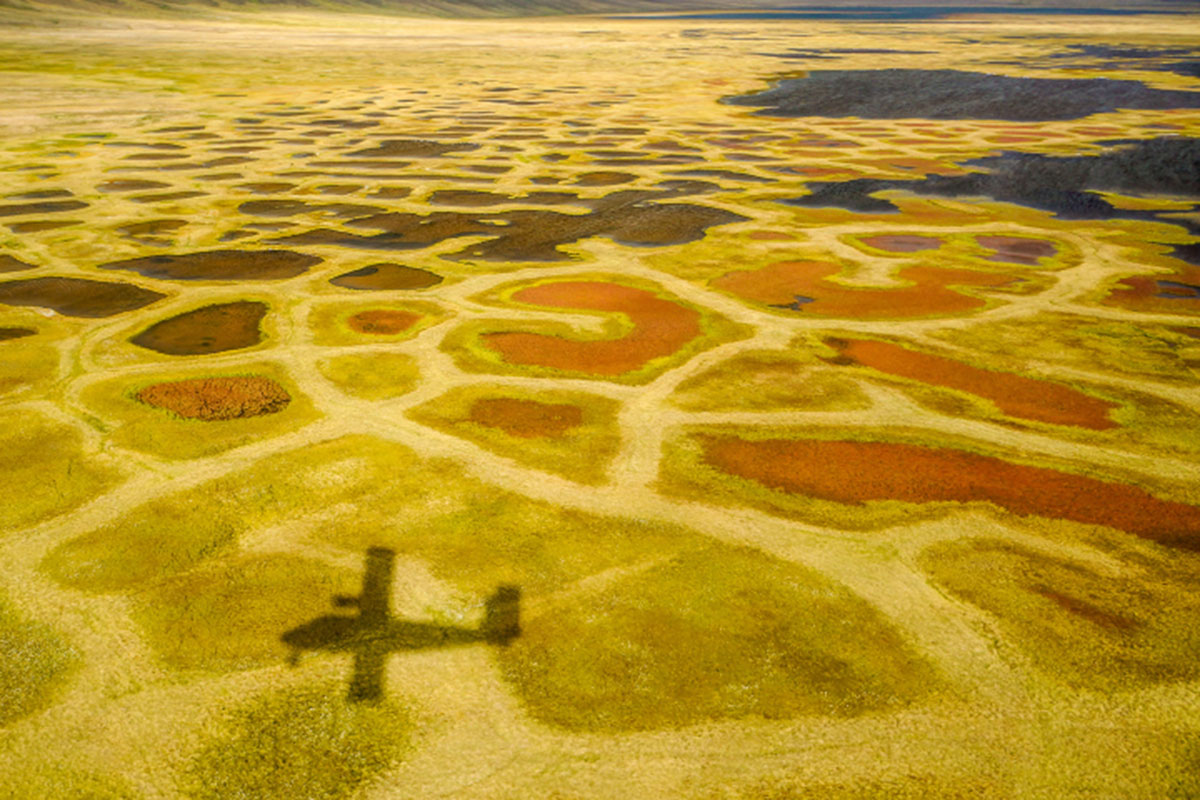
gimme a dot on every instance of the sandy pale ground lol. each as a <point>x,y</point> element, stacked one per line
<point>685,632</point>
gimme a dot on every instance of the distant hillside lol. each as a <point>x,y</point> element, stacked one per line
<point>424,8</point>
<point>56,11</point>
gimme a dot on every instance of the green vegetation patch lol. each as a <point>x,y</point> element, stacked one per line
<point>26,363</point>
<point>1105,346</point>
<point>45,471</point>
<point>580,451</point>
<point>709,634</point>
<point>57,781</point>
<point>769,381</point>
<point>140,426</point>
<point>372,376</point>
<point>163,537</point>
<point>34,661</point>
<point>357,492</point>
<point>301,743</point>
<point>1092,631</point>
<point>912,787</point>
<point>230,614</point>
<point>333,323</point>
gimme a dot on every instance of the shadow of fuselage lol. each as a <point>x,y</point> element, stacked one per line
<point>373,634</point>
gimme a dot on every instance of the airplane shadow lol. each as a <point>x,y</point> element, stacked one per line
<point>373,633</point>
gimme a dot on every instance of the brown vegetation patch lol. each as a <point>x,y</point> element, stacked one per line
<point>291,208</point>
<point>387,277</point>
<point>339,188</point>
<point>163,197</point>
<point>476,199</point>
<point>660,328</point>
<point>527,419</point>
<point>382,322</point>
<point>221,265</point>
<point>130,185</point>
<point>77,297</point>
<point>1044,401</point>
<point>412,148</point>
<point>211,329</point>
<point>534,234</point>
<point>603,178</point>
<point>804,286</point>
<point>212,399</point>
<point>391,192</point>
<point>1017,249</point>
<point>15,333</point>
<point>267,187</point>
<point>39,225</point>
<point>150,232</point>
<point>12,264</point>
<point>902,243</point>
<point>858,472</point>
<point>50,207</point>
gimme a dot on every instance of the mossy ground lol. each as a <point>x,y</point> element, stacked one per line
<point>35,660</point>
<point>372,376</point>
<point>45,470</point>
<point>710,634</point>
<point>1092,630</point>
<point>770,381</point>
<point>304,742</point>
<point>230,614</point>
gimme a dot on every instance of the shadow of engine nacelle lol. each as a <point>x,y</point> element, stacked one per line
<point>373,634</point>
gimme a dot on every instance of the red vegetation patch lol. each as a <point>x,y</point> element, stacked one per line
<point>212,399</point>
<point>527,419</point>
<point>903,244</point>
<point>803,286</point>
<point>858,472</point>
<point>660,327</point>
<point>1016,396</point>
<point>1017,250</point>
<point>383,322</point>
<point>1169,294</point>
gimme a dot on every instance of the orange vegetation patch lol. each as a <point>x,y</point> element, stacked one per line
<point>803,286</point>
<point>213,399</point>
<point>382,322</point>
<point>902,244</point>
<point>771,236</point>
<point>660,328</point>
<point>527,419</point>
<point>858,472</point>
<point>1026,398</point>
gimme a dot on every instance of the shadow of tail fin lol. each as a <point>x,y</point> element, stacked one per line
<point>502,620</point>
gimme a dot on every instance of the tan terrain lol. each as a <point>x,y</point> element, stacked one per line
<point>804,477</point>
